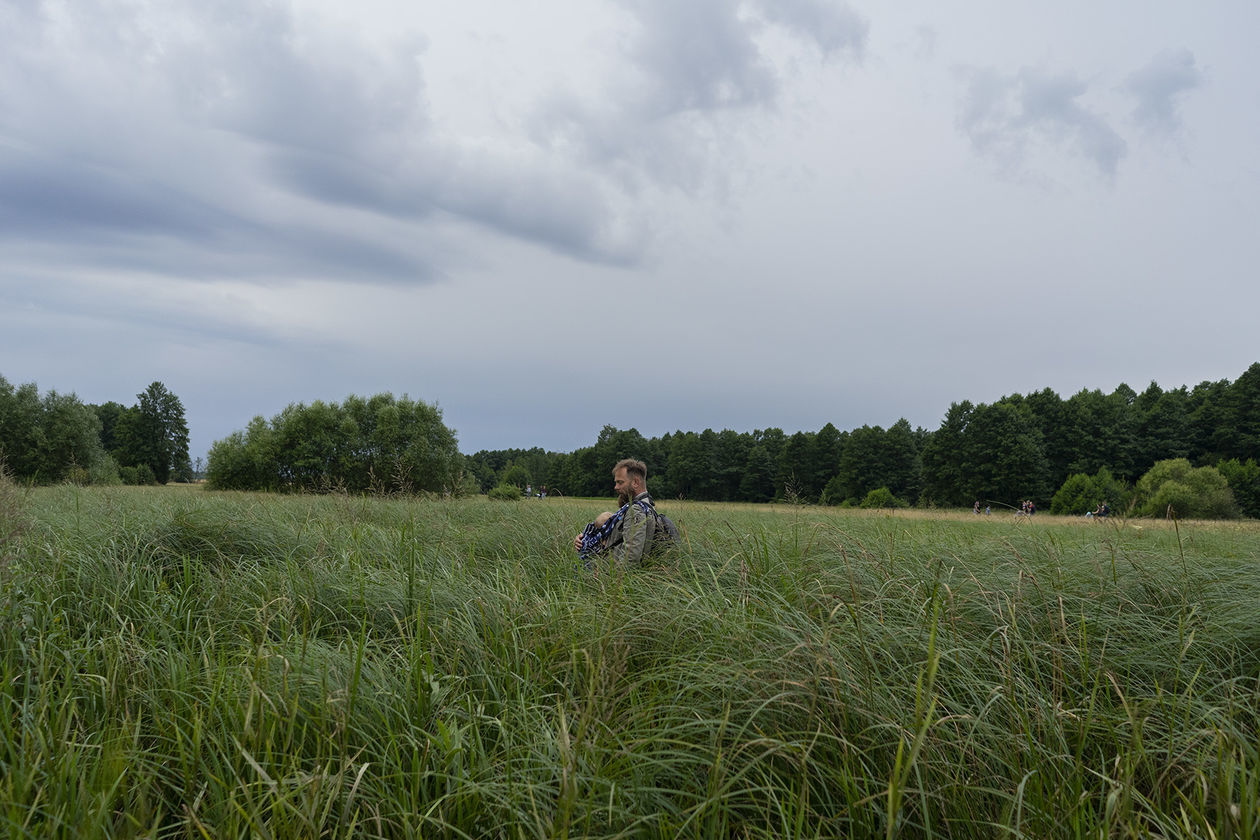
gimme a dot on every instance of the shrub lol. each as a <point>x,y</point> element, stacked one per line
<point>141,474</point>
<point>1185,491</point>
<point>1075,496</point>
<point>515,475</point>
<point>505,493</point>
<point>1244,482</point>
<point>381,444</point>
<point>881,497</point>
<point>1082,493</point>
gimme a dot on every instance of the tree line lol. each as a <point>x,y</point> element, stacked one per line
<point>1095,446</point>
<point>1192,451</point>
<point>56,437</point>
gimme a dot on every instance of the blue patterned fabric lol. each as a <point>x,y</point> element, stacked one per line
<point>595,537</point>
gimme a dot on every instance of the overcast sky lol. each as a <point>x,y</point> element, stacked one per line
<point>661,214</point>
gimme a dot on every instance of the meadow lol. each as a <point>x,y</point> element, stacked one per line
<point>183,663</point>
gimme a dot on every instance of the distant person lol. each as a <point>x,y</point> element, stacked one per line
<point>1099,512</point>
<point>633,531</point>
<point>976,508</point>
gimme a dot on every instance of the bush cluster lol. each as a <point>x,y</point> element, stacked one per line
<point>377,445</point>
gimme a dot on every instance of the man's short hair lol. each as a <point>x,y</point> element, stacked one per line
<point>632,467</point>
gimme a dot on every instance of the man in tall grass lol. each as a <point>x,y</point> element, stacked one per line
<point>635,530</point>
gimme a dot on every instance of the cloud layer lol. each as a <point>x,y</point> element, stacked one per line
<point>792,211</point>
<point>243,128</point>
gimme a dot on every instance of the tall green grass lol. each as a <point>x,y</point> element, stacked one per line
<point>179,663</point>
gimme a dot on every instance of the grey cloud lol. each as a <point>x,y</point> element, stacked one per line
<point>328,94</point>
<point>1159,88</point>
<point>335,179</point>
<point>1002,114</point>
<point>834,27</point>
<point>376,151</point>
<point>553,207</point>
<point>109,218</point>
<point>704,56</point>
<point>692,66</point>
<point>40,197</point>
<point>1050,104</point>
<point>697,56</point>
<point>229,129</point>
<point>353,131</point>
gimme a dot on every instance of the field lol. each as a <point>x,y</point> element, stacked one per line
<point>181,663</point>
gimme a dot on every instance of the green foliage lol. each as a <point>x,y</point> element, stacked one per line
<point>1077,495</point>
<point>152,434</point>
<point>380,445</point>
<point>517,476</point>
<point>1162,427</point>
<point>161,434</point>
<point>986,452</point>
<point>871,458</point>
<point>467,486</point>
<point>49,439</point>
<point>1225,417</point>
<point>109,413</point>
<point>1100,431</point>
<point>1244,482</point>
<point>757,482</point>
<point>835,492</point>
<point>244,460</point>
<point>797,479</point>
<point>1174,487</point>
<point>141,474</point>
<point>881,498</point>
<point>1083,493</point>
<point>506,493</point>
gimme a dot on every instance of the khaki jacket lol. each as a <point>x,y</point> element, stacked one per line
<point>633,536</point>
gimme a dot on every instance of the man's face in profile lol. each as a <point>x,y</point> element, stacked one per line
<point>621,483</point>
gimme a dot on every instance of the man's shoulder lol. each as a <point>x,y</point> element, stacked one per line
<point>641,505</point>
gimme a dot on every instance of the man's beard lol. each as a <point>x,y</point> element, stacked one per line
<point>625,497</point>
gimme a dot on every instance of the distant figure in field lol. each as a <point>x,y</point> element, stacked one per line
<point>976,508</point>
<point>633,531</point>
<point>1100,512</point>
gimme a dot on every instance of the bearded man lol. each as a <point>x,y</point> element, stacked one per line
<point>635,530</point>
